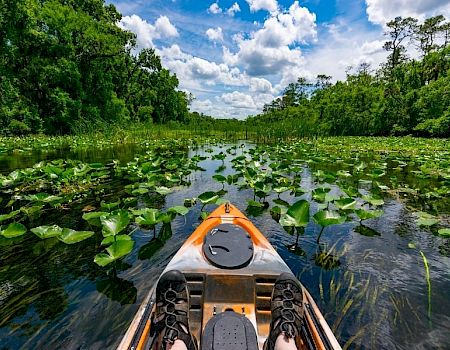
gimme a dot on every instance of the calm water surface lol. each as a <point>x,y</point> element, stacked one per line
<point>373,294</point>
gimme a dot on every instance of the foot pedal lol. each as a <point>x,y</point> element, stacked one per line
<point>229,330</point>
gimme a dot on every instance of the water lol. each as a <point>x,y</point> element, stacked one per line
<point>372,290</point>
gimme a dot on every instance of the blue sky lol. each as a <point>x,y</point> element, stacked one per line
<point>236,55</point>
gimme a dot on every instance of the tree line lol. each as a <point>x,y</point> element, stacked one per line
<point>65,67</point>
<point>404,96</point>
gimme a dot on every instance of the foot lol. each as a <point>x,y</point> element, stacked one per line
<point>172,310</point>
<point>287,310</point>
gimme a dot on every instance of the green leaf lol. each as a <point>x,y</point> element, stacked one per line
<point>13,230</point>
<point>426,219</point>
<point>328,218</point>
<point>93,218</point>
<point>208,197</point>
<point>346,203</point>
<point>375,201</point>
<point>115,223</point>
<point>140,191</point>
<point>163,190</point>
<point>367,214</point>
<point>320,193</point>
<point>111,239</point>
<point>297,215</point>
<point>445,232</point>
<point>178,209</point>
<point>44,232</point>
<point>69,236</point>
<point>255,204</point>
<point>115,251</point>
<point>149,217</point>
<point>109,206</point>
<point>103,259</point>
<point>220,178</point>
<point>8,216</point>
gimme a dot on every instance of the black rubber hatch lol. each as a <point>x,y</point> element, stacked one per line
<point>228,246</point>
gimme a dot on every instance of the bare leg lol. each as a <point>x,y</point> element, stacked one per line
<point>284,343</point>
<point>177,345</point>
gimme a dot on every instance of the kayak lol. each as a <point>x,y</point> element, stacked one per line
<point>229,266</point>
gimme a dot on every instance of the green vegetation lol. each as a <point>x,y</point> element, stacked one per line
<point>66,67</point>
<point>404,96</point>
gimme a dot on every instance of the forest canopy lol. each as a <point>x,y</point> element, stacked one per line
<point>65,67</point>
<point>404,96</point>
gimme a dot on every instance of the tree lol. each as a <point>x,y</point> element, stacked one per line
<point>427,33</point>
<point>400,29</point>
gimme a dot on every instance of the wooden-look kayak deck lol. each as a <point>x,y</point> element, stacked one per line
<point>245,290</point>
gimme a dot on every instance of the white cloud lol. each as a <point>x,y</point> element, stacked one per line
<point>238,99</point>
<point>371,47</point>
<point>215,8</point>
<point>234,9</point>
<point>215,34</point>
<point>352,45</point>
<point>382,11</point>
<point>268,5</point>
<point>164,28</point>
<point>146,32</point>
<point>269,50</point>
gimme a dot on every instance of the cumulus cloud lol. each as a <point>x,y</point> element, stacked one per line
<point>164,28</point>
<point>146,32</point>
<point>268,5</point>
<point>238,99</point>
<point>215,9</point>
<point>382,11</point>
<point>268,51</point>
<point>352,45</point>
<point>234,9</point>
<point>215,34</point>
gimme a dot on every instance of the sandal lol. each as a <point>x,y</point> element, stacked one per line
<point>172,310</point>
<point>287,309</point>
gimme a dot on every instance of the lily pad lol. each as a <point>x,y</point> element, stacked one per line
<point>297,215</point>
<point>328,217</point>
<point>115,251</point>
<point>69,236</point>
<point>115,223</point>
<point>44,232</point>
<point>13,230</point>
<point>445,232</point>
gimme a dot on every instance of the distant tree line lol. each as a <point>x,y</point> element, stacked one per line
<point>65,66</point>
<point>404,96</point>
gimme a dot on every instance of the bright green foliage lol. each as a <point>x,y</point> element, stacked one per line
<point>115,223</point>
<point>327,218</point>
<point>115,251</point>
<point>405,96</point>
<point>66,67</point>
<point>366,214</point>
<point>149,218</point>
<point>208,197</point>
<point>44,232</point>
<point>445,232</point>
<point>425,219</point>
<point>297,215</point>
<point>13,230</point>
<point>69,236</point>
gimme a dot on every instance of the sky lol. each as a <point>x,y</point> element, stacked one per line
<point>234,56</point>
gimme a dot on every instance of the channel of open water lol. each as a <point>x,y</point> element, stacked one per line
<point>373,294</point>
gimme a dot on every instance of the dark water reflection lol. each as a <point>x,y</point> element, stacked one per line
<point>370,286</point>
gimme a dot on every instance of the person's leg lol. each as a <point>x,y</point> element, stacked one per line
<point>282,343</point>
<point>287,313</point>
<point>172,309</point>
<point>177,345</point>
